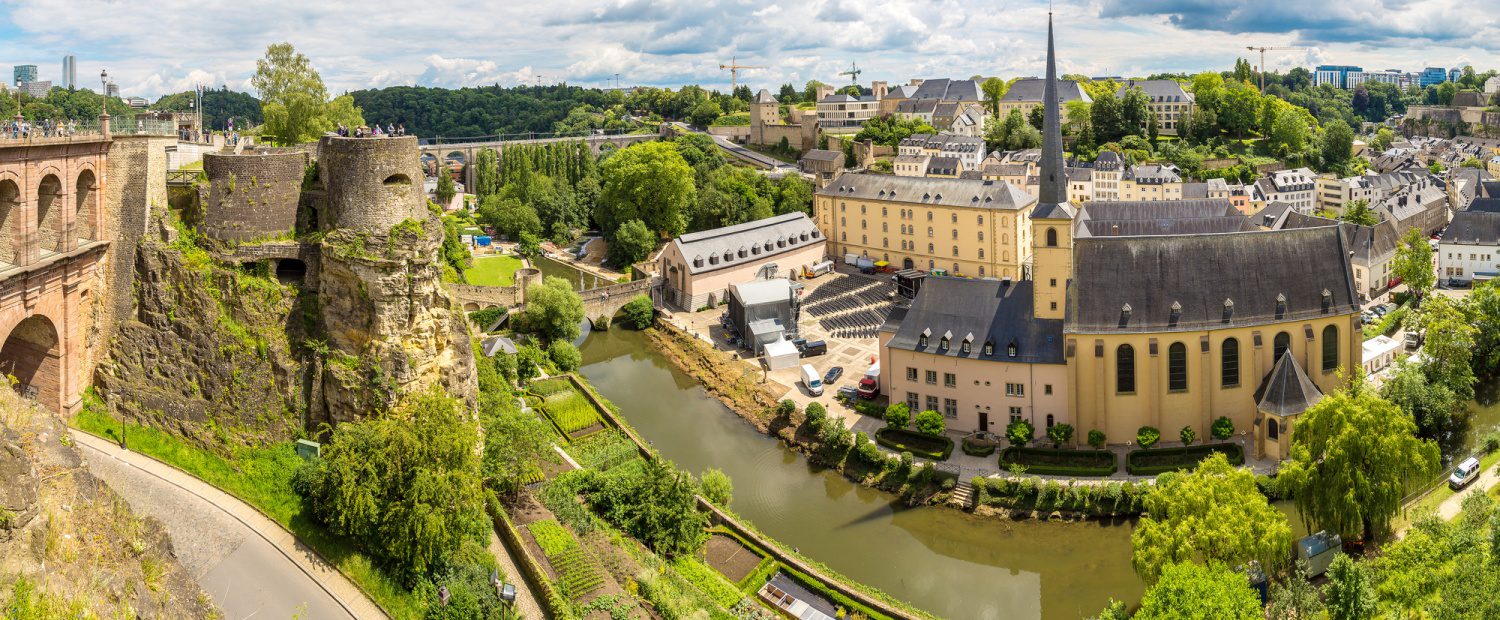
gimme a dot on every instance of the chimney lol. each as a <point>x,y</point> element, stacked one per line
<point>879,89</point>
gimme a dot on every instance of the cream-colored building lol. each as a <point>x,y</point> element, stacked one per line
<point>846,111</point>
<point>1169,102</point>
<point>1150,182</point>
<point>1026,94</point>
<point>700,267</point>
<point>960,226</point>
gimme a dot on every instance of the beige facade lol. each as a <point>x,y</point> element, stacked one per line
<point>1093,361</point>
<point>699,267</point>
<point>966,227</point>
<point>975,395</point>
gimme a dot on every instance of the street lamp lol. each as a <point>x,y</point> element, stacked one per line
<point>104,93</point>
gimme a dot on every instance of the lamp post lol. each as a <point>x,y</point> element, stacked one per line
<point>104,129</point>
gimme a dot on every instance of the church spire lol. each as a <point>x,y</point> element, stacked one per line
<point>1054,175</point>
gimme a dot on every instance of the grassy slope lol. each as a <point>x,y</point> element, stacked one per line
<point>262,477</point>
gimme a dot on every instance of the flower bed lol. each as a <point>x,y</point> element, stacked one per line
<point>1162,460</point>
<point>974,447</point>
<point>571,412</point>
<point>1050,462</point>
<point>935,447</point>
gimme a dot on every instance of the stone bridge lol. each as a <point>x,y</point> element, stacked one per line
<point>598,303</point>
<point>470,150</point>
<point>291,261</point>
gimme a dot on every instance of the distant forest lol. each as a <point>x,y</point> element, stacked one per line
<point>487,110</point>
<point>218,106</point>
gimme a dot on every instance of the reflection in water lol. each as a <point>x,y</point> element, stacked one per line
<point>948,562</point>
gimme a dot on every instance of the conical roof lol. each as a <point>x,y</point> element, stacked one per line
<point>764,96</point>
<point>1287,390</point>
<point>1052,194</point>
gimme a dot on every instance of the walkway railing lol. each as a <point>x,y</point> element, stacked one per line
<point>12,131</point>
<point>142,127</point>
<point>535,135</point>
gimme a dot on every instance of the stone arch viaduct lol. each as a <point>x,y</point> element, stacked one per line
<point>470,150</point>
<point>599,303</point>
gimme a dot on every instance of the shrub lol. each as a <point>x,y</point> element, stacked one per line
<point>930,422</point>
<point>1147,436</point>
<point>1019,433</point>
<point>638,312</point>
<point>1153,462</point>
<point>786,408</point>
<point>1096,439</point>
<point>564,355</point>
<point>906,461</point>
<point>815,414</point>
<point>834,434</point>
<point>978,447</point>
<point>936,447</point>
<point>717,486</point>
<point>898,415</point>
<point>1060,434</point>
<point>1222,429</point>
<point>867,450</point>
<point>1052,462</point>
<point>1187,435</point>
<point>1490,442</point>
<point>483,319</point>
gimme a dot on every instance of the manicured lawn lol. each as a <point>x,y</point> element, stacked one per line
<point>1161,460</point>
<point>494,271</point>
<point>1050,462</point>
<point>919,445</point>
<point>261,477</point>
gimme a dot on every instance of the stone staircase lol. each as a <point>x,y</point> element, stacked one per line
<point>963,495</point>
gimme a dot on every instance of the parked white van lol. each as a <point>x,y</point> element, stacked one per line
<point>1465,473</point>
<point>812,380</point>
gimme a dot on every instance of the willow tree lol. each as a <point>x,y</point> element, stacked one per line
<point>1353,456</point>
<point>1214,514</point>
<point>294,100</point>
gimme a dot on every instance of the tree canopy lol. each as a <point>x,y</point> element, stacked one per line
<point>650,182</point>
<point>293,99</point>
<point>1214,514</point>
<point>1193,592</point>
<point>1413,263</point>
<point>553,309</point>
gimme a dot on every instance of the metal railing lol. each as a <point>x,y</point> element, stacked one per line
<point>12,131</point>
<point>143,127</point>
<point>533,135</point>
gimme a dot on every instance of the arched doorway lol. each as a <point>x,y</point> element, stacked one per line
<point>32,354</point>
<point>907,264</point>
<point>84,198</point>
<point>291,271</point>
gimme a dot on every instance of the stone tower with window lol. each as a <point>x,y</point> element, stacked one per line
<point>1052,218</point>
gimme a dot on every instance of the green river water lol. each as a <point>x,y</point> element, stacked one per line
<point>941,560</point>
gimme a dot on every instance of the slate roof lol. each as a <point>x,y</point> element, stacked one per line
<point>1370,244</point>
<point>1030,90</point>
<point>1274,214</point>
<point>1199,272</point>
<point>990,310</point>
<point>761,240</point>
<point>945,142</point>
<point>1159,217</point>
<point>823,155</point>
<point>1153,174</point>
<point>923,190</point>
<point>1286,390</point>
<point>1108,160</point>
<point>1488,205</point>
<point>917,106</point>
<point>1474,228</point>
<point>944,89</point>
<point>944,165</point>
<point>1192,191</point>
<point>843,98</point>
<point>764,96</point>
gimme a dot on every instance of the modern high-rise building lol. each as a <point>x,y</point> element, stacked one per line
<point>70,72</point>
<point>1335,75</point>
<point>112,90</point>
<point>23,73</point>
<point>1454,74</point>
<point>1431,76</point>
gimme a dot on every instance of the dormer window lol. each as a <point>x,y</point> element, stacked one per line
<point>989,347</point>
<point>1228,309</point>
<point>1124,315</point>
<point>922,339</point>
<point>943,344</point>
<point>1327,301</point>
<point>743,252</point>
<point>1280,305</point>
<point>1176,313</point>
<point>1010,349</point>
<point>697,261</point>
<point>713,259</point>
<point>967,344</point>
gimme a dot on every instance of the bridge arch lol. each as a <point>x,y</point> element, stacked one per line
<point>10,221</point>
<point>32,354</point>
<point>85,205</point>
<point>49,213</point>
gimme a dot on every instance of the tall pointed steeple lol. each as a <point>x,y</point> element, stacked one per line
<point>1054,174</point>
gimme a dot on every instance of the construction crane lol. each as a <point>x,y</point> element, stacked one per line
<point>853,73</point>
<point>734,71</point>
<point>1263,51</point>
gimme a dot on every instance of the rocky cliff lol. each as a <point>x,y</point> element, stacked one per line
<point>213,350</point>
<point>389,324</point>
<point>72,539</point>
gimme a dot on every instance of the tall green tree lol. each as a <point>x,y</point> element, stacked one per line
<point>486,173</point>
<point>1413,263</point>
<point>1189,592</point>
<point>553,309</point>
<point>1358,212</point>
<point>1215,514</point>
<point>1448,344</point>
<point>1350,596</point>
<point>648,182</point>
<point>406,485</point>
<point>293,99</point>
<point>1338,146</point>
<point>1352,456</point>
<point>515,443</point>
<point>1482,306</point>
<point>446,189</point>
<point>631,244</point>
<point>994,90</point>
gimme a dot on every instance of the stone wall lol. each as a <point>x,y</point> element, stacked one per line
<point>253,196</point>
<point>372,184</point>
<point>137,185</point>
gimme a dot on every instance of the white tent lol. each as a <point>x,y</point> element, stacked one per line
<point>781,354</point>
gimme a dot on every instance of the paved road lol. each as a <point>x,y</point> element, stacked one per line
<point>766,162</point>
<point>246,562</point>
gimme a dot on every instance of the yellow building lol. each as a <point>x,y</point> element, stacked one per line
<point>960,226</point>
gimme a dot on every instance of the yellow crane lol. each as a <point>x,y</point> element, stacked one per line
<point>734,71</point>
<point>1263,51</point>
<point>853,73</point>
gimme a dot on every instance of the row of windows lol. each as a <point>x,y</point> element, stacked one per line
<point>1472,256</point>
<point>1229,361</point>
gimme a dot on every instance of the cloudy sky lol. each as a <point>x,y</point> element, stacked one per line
<point>153,47</point>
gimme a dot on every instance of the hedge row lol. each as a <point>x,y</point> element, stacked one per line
<point>1051,462</point>
<point>1160,461</point>
<point>1026,494</point>
<point>935,447</point>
